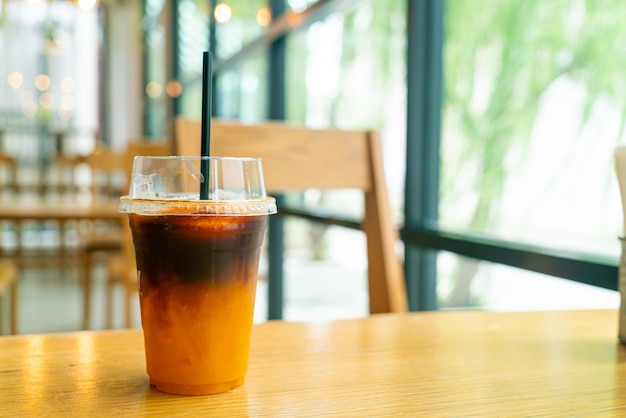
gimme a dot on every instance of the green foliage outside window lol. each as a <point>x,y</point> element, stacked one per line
<point>502,59</point>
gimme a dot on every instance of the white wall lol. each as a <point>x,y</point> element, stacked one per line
<point>125,70</point>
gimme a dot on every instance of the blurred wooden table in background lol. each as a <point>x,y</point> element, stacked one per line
<point>62,214</point>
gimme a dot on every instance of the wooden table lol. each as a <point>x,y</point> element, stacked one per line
<point>61,213</point>
<point>440,364</point>
<point>58,212</point>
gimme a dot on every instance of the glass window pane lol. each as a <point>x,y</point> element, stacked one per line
<point>238,23</point>
<point>242,92</point>
<point>346,71</point>
<point>468,283</point>
<point>533,109</point>
<point>299,6</point>
<point>48,79</point>
<point>156,78</point>
<point>193,40</point>
<point>326,277</point>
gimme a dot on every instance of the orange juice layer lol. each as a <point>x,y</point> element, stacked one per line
<point>197,336</point>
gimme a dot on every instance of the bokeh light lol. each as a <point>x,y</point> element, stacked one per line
<point>15,79</point>
<point>173,88</point>
<point>42,82</point>
<point>154,89</point>
<point>263,16</point>
<point>223,13</point>
<point>46,100</point>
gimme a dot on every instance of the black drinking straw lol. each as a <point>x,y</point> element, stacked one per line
<point>205,146</point>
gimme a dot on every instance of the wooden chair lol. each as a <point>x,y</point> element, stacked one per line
<point>8,176</point>
<point>121,267</point>
<point>9,284</point>
<point>99,240</point>
<point>299,158</point>
<point>111,172</point>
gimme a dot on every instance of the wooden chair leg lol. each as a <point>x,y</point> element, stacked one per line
<point>8,280</point>
<point>109,304</point>
<point>86,290</point>
<point>128,315</point>
<point>13,292</point>
<point>130,290</point>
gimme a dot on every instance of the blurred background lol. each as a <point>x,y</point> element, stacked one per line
<point>498,122</point>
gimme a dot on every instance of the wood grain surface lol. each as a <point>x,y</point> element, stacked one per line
<point>58,212</point>
<point>440,364</point>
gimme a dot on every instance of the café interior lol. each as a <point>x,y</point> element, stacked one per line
<point>449,210</point>
<point>491,205</point>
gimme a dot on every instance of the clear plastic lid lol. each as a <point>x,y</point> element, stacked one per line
<point>199,185</point>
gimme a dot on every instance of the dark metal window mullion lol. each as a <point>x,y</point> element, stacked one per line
<point>215,111</point>
<point>276,111</point>
<point>424,99</point>
<point>174,71</point>
<point>585,268</point>
<point>144,74</point>
<point>104,83</point>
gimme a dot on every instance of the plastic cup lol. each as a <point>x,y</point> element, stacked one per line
<point>197,267</point>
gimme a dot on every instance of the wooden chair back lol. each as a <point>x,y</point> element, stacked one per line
<point>125,270</point>
<point>109,176</point>
<point>110,172</point>
<point>300,158</point>
<point>142,146</point>
<point>134,148</point>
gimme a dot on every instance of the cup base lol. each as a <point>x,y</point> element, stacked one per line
<point>209,389</point>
